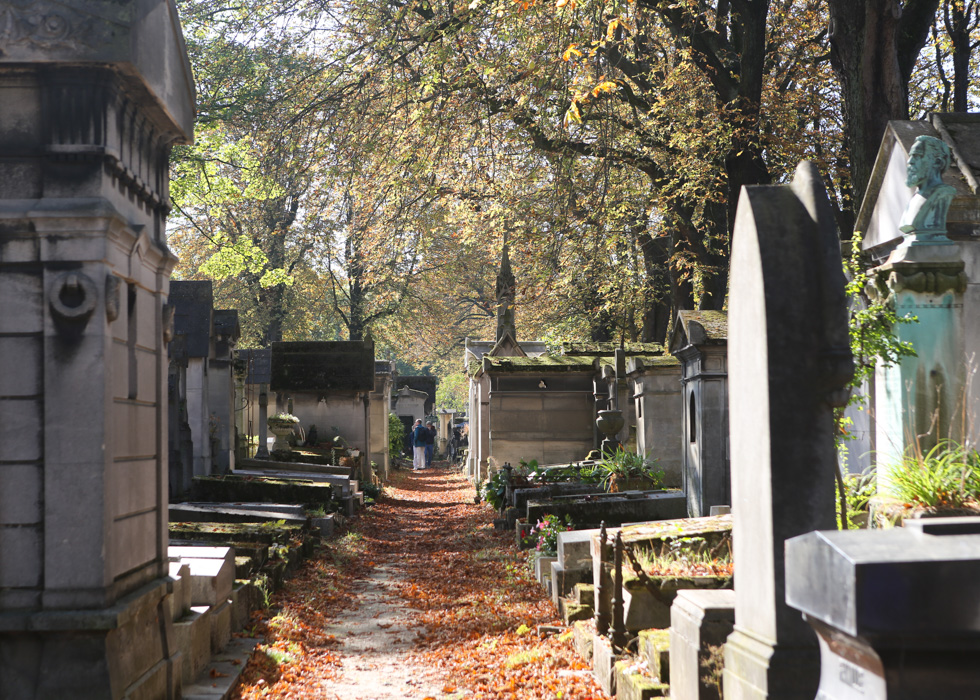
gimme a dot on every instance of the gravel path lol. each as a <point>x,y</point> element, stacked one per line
<point>377,641</point>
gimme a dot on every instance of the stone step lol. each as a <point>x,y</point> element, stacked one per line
<point>212,572</point>
<point>218,680</point>
<point>306,467</point>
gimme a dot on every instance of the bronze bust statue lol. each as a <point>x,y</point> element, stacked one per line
<point>925,216</point>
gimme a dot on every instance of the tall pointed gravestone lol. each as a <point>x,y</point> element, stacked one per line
<point>789,361</point>
<point>92,96</point>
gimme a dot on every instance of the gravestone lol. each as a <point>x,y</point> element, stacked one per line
<point>92,97</point>
<point>380,408</point>
<point>894,610</point>
<point>254,398</point>
<point>191,348</point>
<point>789,361</point>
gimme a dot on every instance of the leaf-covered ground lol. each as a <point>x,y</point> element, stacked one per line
<point>470,610</point>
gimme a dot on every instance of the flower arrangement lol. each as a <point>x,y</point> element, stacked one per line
<point>283,417</point>
<point>546,533</point>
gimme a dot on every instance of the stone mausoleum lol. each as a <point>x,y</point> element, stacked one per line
<point>91,100</point>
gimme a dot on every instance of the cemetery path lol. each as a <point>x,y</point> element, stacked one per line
<point>421,599</point>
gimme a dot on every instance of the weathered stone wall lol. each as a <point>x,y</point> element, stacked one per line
<point>659,411</point>
<point>549,427</point>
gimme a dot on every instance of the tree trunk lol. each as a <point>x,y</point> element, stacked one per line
<point>873,47</point>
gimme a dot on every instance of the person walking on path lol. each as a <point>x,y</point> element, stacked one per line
<point>430,443</point>
<point>419,436</point>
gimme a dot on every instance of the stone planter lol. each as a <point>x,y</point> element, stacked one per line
<point>632,483</point>
<point>282,429</point>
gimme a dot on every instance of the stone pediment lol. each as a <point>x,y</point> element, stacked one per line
<point>507,346</point>
<point>887,195</point>
<point>141,39</point>
<point>699,328</point>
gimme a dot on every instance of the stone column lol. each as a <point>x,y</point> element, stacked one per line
<point>263,451</point>
<point>789,359</point>
<point>92,100</point>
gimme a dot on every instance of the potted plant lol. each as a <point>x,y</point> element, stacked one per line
<point>623,470</point>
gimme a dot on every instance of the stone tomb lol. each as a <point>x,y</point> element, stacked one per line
<point>87,122</point>
<point>202,384</point>
<point>789,362</point>
<point>699,342</point>
<point>894,610</point>
<point>331,386</point>
<point>933,395</point>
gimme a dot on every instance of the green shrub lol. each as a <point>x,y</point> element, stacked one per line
<point>396,436</point>
<point>946,476</point>
<point>494,489</point>
<point>623,465</point>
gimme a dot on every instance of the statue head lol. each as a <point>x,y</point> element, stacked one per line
<point>928,160</point>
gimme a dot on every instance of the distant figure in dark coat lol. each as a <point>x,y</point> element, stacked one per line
<point>419,435</point>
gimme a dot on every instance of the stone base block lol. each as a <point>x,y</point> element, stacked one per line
<point>542,568</point>
<point>604,664</point>
<point>325,525</point>
<point>582,634</point>
<point>193,634</point>
<point>755,670</point>
<point>700,622</point>
<point>564,580</point>
<point>573,612</point>
<point>634,682</point>
<point>220,626</point>
<point>246,598</point>
<point>212,572</point>
<point>654,647</point>
<point>125,651</point>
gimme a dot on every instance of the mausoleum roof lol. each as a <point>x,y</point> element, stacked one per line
<point>342,365</point>
<point>541,364</point>
<point>638,363</point>
<point>608,348</point>
<point>699,328</point>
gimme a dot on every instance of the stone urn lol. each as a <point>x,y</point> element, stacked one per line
<point>282,426</point>
<point>610,422</point>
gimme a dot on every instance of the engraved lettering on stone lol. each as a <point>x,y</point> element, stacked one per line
<point>851,676</point>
